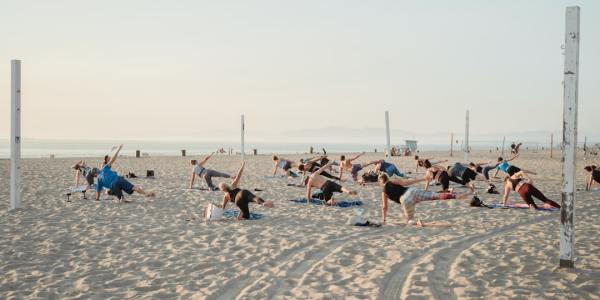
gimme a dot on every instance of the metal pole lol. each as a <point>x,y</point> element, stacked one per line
<point>571,80</point>
<point>242,140</point>
<point>467,137</point>
<point>15,135</point>
<point>451,143</point>
<point>387,132</point>
<point>503,142</point>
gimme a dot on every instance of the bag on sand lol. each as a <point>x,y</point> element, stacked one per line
<point>476,202</point>
<point>492,189</point>
<point>213,213</point>
<point>370,176</point>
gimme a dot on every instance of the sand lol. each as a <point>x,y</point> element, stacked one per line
<point>161,248</point>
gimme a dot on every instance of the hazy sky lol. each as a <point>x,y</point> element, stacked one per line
<point>177,69</point>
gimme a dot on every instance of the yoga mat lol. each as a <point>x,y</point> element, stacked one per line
<point>339,203</point>
<point>233,213</point>
<point>523,206</point>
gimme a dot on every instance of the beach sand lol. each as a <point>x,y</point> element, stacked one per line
<point>161,247</point>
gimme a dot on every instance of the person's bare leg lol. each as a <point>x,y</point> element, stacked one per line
<point>147,194</point>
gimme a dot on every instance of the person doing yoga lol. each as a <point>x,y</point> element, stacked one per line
<point>523,185</point>
<point>328,187</point>
<point>398,190</point>
<point>509,169</point>
<point>241,197</point>
<point>438,173</point>
<point>388,168</point>
<point>313,164</point>
<point>84,171</point>
<point>420,163</point>
<point>284,164</point>
<point>347,165</point>
<point>116,184</point>
<point>594,176</point>
<point>199,170</point>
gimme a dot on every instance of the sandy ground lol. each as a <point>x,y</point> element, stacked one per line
<point>161,248</point>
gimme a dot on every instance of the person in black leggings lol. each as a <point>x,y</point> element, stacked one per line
<point>312,165</point>
<point>463,175</point>
<point>241,197</point>
<point>523,185</point>
<point>594,176</point>
<point>439,173</point>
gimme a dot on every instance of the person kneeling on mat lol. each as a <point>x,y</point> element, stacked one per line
<point>116,184</point>
<point>328,187</point>
<point>397,191</point>
<point>240,197</point>
<point>523,185</point>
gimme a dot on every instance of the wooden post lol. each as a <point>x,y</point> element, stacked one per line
<point>584,147</point>
<point>183,153</point>
<point>15,135</point>
<point>242,142</point>
<point>551,144</point>
<point>387,132</point>
<point>467,150</point>
<point>571,81</point>
<point>138,153</point>
<point>451,143</point>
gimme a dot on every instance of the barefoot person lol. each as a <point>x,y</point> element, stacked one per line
<point>398,191</point>
<point>200,171</point>
<point>110,180</point>
<point>523,185</point>
<point>311,165</point>
<point>241,197</point>
<point>388,168</point>
<point>594,176</point>
<point>438,173</point>
<point>420,163</point>
<point>285,164</point>
<point>347,165</point>
<point>509,169</point>
<point>84,171</point>
<point>328,187</point>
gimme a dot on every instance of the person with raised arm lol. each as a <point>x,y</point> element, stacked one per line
<point>523,185</point>
<point>347,165</point>
<point>328,187</point>
<point>110,180</point>
<point>509,169</point>
<point>284,164</point>
<point>241,197</point>
<point>199,170</point>
<point>594,176</point>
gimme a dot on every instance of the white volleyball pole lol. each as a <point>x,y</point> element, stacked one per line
<point>571,80</point>
<point>387,132</point>
<point>503,142</point>
<point>242,142</point>
<point>467,137</point>
<point>15,135</point>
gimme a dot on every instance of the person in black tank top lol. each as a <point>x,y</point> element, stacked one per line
<point>523,185</point>
<point>240,197</point>
<point>594,176</point>
<point>397,191</point>
<point>438,173</point>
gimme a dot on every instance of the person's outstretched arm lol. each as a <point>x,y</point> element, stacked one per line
<point>237,178</point>
<point>114,157</point>
<point>428,175</point>
<point>496,173</point>
<point>384,207</point>
<point>201,163</point>
<point>513,157</point>
<point>275,168</point>
<point>77,175</point>
<point>405,182</point>
<point>588,186</point>
<point>356,157</point>
<point>225,200</point>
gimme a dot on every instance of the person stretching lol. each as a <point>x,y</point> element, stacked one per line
<point>241,197</point>
<point>116,184</point>
<point>505,167</point>
<point>200,171</point>
<point>439,173</point>
<point>346,164</point>
<point>398,191</point>
<point>594,176</point>
<point>523,185</point>
<point>328,187</point>
<point>420,163</point>
<point>285,164</point>
<point>312,165</point>
<point>82,170</point>
<point>388,168</point>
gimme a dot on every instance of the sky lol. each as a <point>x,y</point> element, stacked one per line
<point>188,69</point>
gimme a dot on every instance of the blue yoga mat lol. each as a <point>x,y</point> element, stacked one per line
<point>523,206</point>
<point>233,213</point>
<point>339,203</point>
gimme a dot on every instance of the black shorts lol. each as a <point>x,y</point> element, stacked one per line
<point>287,166</point>
<point>444,179</point>
<point>468,175</point>
<point>121,185</point>
<point>242,199</point>
<point>330,187</point>
<point>512,170</point>
<point>596,175</point>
